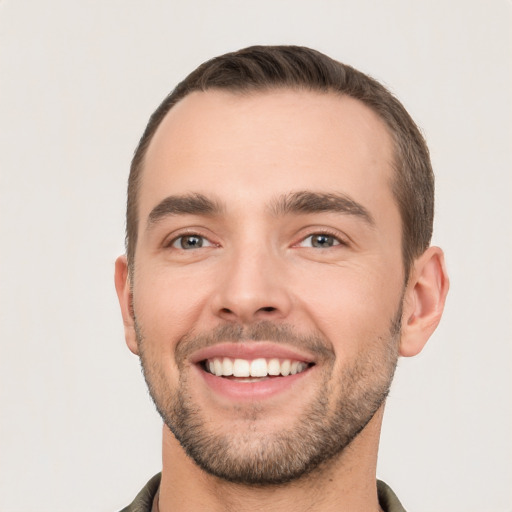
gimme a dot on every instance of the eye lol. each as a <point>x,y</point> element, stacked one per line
<point>189,242</point>
<point>320,240</point>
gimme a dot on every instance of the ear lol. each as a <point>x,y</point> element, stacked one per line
<point>124,294</point>
<point>424,300</point>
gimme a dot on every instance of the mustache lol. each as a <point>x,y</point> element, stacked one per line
<point>261,331</point>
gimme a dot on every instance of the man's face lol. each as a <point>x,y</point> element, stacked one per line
<point>269,247</point>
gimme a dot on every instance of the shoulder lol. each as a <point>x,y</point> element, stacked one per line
<point>387,498</point>
<point>143,502</point>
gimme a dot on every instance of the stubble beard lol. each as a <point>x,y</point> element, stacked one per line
<point>319,433</point>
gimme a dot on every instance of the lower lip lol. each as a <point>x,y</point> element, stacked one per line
<point>250,391</point>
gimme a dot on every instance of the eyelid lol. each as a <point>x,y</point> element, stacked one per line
<point>337,235</point>
<point>175,241</point>
<point>172,238</point>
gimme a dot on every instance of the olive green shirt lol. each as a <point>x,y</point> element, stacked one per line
<point>145,500</point>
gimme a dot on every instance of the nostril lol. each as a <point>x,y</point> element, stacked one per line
<point>246,314</point>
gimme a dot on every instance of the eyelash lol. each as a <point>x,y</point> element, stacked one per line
<point>337,240</point>
<point>172,243</point>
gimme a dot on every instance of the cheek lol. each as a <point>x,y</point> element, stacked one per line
<point>351,307</point>
<point>168,305</point>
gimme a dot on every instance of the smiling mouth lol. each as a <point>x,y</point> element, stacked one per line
<point>245,370</point>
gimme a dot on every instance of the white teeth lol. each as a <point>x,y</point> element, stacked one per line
<point>217,366</point>
<point>274,367</point>
<point>285,367</point>
<point>259,368</point>
<point>225,367</point>
<point>241,368</point>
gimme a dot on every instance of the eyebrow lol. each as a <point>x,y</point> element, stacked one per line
<point>317,202</point>
<point>292,203</point>
<point>188,204</point>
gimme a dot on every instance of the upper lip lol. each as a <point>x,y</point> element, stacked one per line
<point>251,350</point>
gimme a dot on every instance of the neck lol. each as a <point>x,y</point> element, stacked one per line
<point>347,482</point>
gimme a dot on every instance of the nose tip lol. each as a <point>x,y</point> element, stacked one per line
<point>252,290</point>
<point>244,310</point>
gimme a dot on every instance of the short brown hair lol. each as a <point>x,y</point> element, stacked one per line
<point>264,68</point>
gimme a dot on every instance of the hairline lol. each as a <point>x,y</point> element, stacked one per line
<point>250,89</point>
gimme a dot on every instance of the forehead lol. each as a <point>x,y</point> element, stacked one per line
<point>250,144</point>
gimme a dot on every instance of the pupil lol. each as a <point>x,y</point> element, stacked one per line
<point>190,242</point>
<point>322,241</point>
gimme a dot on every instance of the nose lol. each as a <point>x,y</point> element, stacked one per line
<point>252,287</point>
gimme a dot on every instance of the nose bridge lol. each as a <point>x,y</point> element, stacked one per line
<point>252,287</point>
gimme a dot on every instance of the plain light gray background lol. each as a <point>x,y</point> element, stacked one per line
<point>78,81</point>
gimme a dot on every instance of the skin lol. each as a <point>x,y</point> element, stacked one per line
<point>258,264</point>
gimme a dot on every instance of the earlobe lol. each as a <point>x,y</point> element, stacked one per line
<point>424,301</point>
<point>124,294</point>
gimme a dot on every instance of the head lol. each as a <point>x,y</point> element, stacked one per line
<point>264,68</point>
<point>279,217</point>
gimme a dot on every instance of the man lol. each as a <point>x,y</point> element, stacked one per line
<point>279,217</point>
